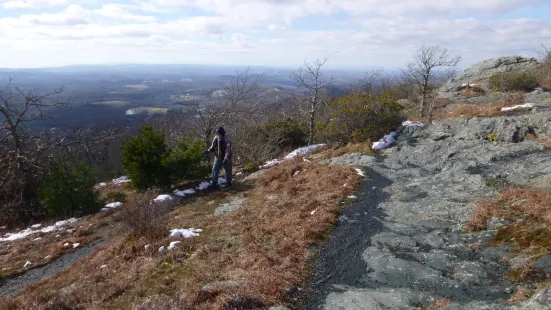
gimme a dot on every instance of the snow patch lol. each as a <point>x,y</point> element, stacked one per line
<point>162,249</point>
<point>102,184</point>
<point>121,180</point>
<point>185,233</point>
<point>36,226</point>
<point>412,124</point>
<point>203,186</point>
<point>113,205</point>
<point>385,142</point>
<point>102,266</point>
<point>173,244</point>
<point>303,150</point>
<point>162,198</point>
<point>313,212</point>
<point>37,239</point>
<point>520,106</point>
<point>27,264</point>
<point>270,163</point>
<point>352,197</point>
<point>29,231</point>
<point>360,172</point>
<point>66,245</point>
<point>184,192</point>
<point>76,245</point>
<point>147,247</point>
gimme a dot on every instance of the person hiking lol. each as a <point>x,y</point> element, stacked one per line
<point>221,147</point>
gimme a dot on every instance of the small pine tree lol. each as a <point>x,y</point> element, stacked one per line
<point>69,191</point>
<point>186,161</point>
<point>142,158</point>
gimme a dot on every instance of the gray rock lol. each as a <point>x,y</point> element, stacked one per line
<point>539,98</point>
<point>255,176</point>
<point>471,273</point>
<point>384,267</point>
<point>423,190</point>
<point>478,74</point>
<point>541,300</point>
<point>233,204</point>
<point>279,308</point>
<point>394,241</point>
<point>544,263</point>
<point>380,299</point>
<point>354,159</point>
<point>495,253</point>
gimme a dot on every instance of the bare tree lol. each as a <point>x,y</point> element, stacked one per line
<point>238,97</point>
<point>429,63</point>
<point>25,153</point>
<point>310,77</point>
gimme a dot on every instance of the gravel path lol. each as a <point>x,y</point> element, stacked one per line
<point>14,285</point>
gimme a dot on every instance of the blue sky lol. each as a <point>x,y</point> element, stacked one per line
<point>352,33</point>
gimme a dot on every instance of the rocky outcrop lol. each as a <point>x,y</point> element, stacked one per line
<point>480,72</point>
<point>402,243</point>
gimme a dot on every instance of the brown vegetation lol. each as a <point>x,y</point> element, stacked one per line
<point>438,304</point>
<point>340,150</point>
<point>490,109</point>
<point>248,257</point>
<point>528,230</point>
<point>519,296</point>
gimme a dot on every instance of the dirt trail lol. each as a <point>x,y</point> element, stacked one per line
<point>14,285</point>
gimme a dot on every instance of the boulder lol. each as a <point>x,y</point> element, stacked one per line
<point>477,75</point>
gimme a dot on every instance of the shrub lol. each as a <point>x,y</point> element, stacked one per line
<point>69,191</point>
<point>492,137</point>
<point>291,132</point>
<point>145,218</point>
<point>143,156</point>
<point>511,81</point>
<point>186,160</point>
<point>116,197</point>
<point>362,117</point>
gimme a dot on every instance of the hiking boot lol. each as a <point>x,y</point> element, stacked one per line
<point>228,184</point>
<point>214,186</point>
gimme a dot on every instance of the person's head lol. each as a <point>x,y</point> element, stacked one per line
<point>220,132</point>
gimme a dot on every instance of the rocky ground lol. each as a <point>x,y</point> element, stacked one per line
<point>402,243</point>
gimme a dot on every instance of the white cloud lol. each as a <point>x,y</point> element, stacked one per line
<point>117,11</point>
<point>387,33</point>
<point>72,15</point>
<point>276,28</point>
<point>240,40</point>
<point>20,4</point>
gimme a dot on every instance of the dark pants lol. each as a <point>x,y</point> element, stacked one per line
<point>217,166</point>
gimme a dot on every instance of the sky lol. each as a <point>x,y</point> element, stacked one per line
<point>279,33</point>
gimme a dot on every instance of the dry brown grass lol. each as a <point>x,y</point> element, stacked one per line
<point>439,303</point>
<point>490,109</point>
<point>529,230</point>
<point>146,219</point>
<point>519,296</point>
<point>247,258</point>
<point>471,92</point>
<point>533,137</point>
<point>364,148</point>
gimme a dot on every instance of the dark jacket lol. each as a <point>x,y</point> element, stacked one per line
<point>221,147</point>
